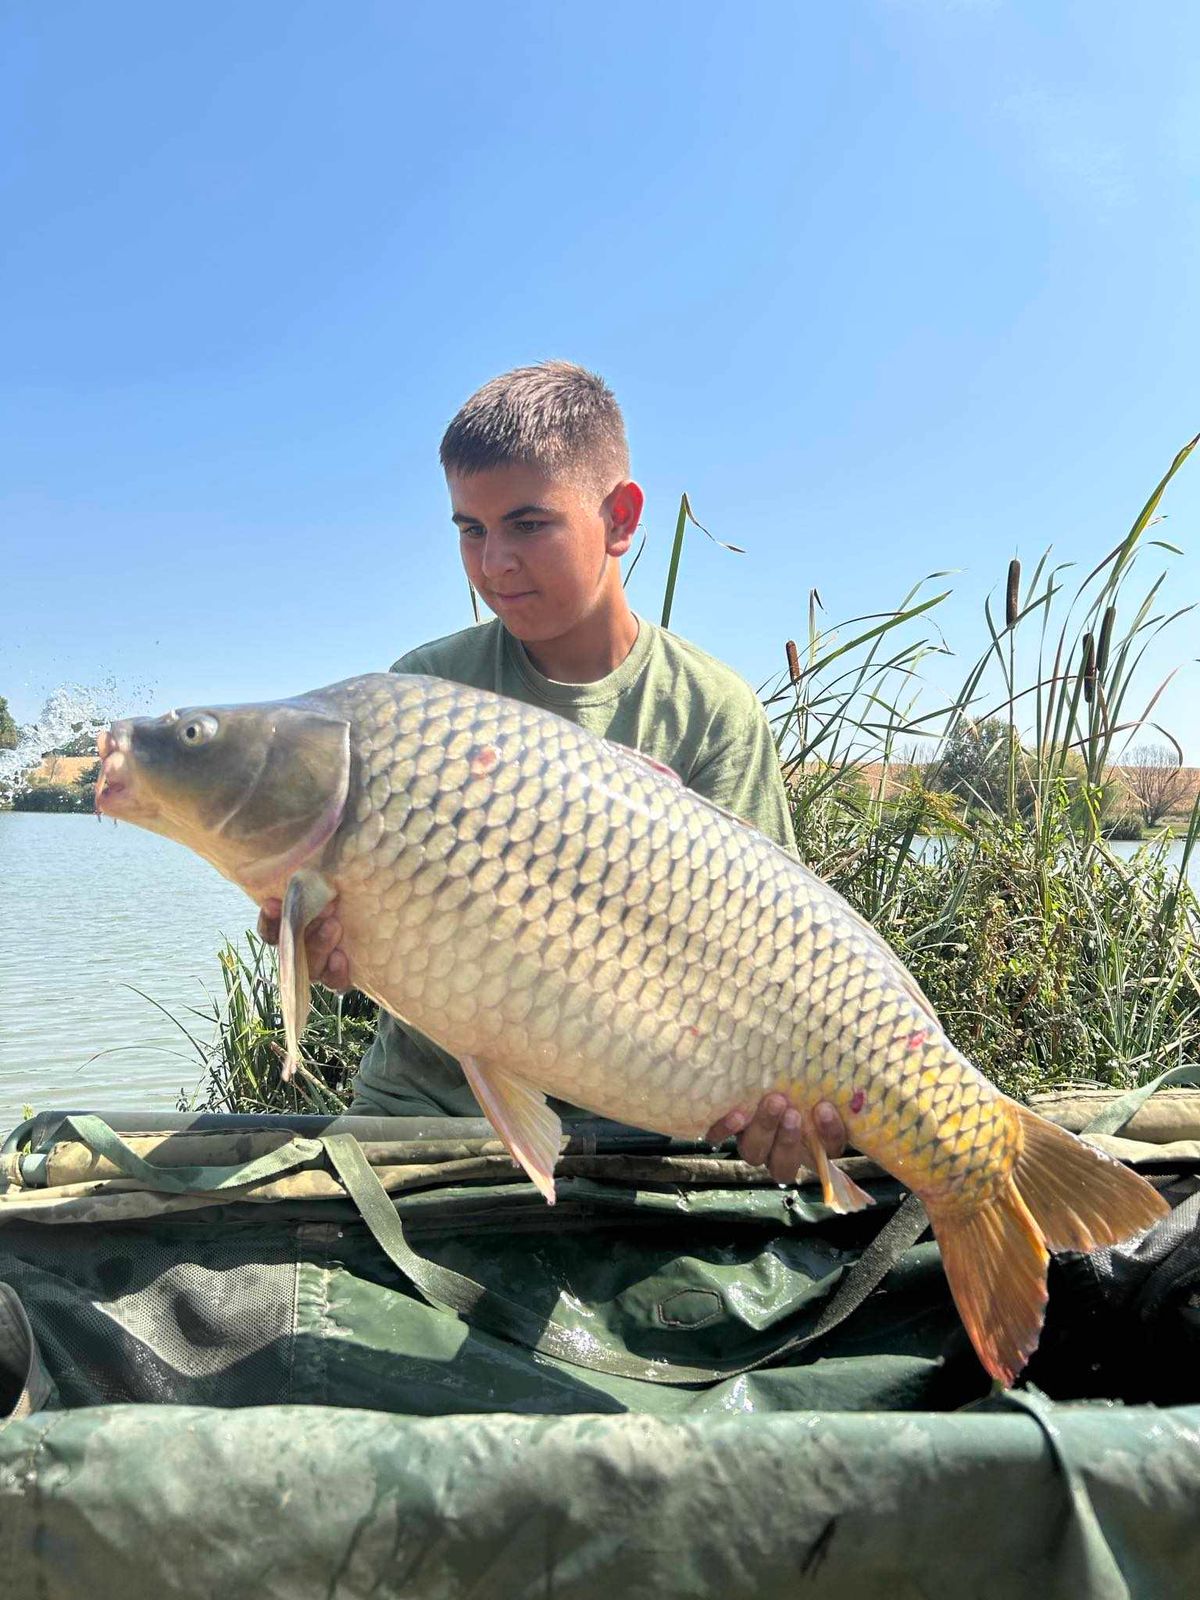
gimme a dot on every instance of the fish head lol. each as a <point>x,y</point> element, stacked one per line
<point>255,789</point>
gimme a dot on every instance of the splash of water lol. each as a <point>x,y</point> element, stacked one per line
<point>69,711</point>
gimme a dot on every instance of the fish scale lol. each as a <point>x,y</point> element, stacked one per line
<point>569,920</point>
<point>700,906</point>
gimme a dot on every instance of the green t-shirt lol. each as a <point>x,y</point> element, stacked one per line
<point>668,700</point>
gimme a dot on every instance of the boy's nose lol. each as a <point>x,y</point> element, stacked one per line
<point>498,557</point>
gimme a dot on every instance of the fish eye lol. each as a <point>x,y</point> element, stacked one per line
<point>197,730</point>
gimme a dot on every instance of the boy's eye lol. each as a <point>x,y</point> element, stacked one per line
<point>471,532</point>
<point>529,527</point>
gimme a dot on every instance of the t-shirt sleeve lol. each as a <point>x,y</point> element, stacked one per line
<point>738,768</point>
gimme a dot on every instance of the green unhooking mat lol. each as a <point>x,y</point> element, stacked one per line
<point>262,1356</point>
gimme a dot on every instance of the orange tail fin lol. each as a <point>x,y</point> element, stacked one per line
<point>1060,1195</point>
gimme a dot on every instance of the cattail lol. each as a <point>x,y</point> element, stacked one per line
<point>793,661</point>
<point>1012,605</point>
<point>1106,628</point>
<point>1089,668</point>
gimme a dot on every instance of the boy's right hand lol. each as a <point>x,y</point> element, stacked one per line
<point>327,961</point>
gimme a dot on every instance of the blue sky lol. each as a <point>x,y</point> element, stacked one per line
<point>887,287</point>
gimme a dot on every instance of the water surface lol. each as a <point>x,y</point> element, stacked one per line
<point>90,911</point>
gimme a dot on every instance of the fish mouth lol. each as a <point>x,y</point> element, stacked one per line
<point>115,787</point>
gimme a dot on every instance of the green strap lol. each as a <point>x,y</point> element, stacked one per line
<point>451,1291</point>
<point>96,1134</point>
<point>460,1296</point>
<point>1099,1569</point>
<point>1114,1117</point>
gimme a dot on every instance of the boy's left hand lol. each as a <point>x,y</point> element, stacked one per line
<point>774,1136</point>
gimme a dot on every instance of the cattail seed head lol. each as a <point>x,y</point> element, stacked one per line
<point>1089,668</point>
<point>793,661</point>
<point>1106,630</point>
<point>1012,606</point>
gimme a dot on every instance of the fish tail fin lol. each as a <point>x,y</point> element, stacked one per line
<point>1060,1195</point>
<point>1080,1198</point>
<point>995,1262</point>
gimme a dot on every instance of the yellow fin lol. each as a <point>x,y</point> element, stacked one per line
<point>306,896</point>
<point>995,1262</point>
<point>839,1191</point>
<point>531,1132</point>
<point>1080,1198</point>
<point>1060,1195</point>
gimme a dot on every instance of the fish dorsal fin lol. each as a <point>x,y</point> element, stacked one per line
<point>306,896</point>
<point>519,1113</point>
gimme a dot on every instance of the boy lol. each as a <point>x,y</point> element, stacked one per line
<point>537,467</point>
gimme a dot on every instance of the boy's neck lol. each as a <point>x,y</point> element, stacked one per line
<point>592,649</point>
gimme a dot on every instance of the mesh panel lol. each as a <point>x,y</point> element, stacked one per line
<point>189,1317</point>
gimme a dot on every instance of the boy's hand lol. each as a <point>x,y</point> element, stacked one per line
<point>773,1137</point>
<point>327,961</point>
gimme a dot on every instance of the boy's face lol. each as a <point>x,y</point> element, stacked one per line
<point>541,551</point>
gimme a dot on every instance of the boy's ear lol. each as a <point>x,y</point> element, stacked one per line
<point>622,513</point>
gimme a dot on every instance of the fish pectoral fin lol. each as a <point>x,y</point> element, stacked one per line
<point>306,896</point>
<point>531,1131</point>
<point>838,1190</point>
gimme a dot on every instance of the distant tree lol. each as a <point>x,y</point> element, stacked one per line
<point>83,743</point>
<point>1157,782</point>
<point>88,776</point>
<point>974,763</point>
<point>8,728</point>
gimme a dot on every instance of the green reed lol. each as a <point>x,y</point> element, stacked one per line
<point>1048,957</point>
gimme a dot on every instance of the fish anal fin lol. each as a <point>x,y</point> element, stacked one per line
<point>531,1131</point>
<point>838,1189</point>
<point>995,1263</point>
<point>1080,1198</point>
<point>305,897</point>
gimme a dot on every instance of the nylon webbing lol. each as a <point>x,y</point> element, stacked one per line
<point>1114,1117</point>
<point>100,1138</point>
<point>458,1295</point>
<point>451,1291</point>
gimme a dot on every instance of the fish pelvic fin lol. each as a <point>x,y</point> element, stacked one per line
<point>531,1131</point>
<point>1060,1195</point>
<point>306,896</point>
<point>838,1190</point>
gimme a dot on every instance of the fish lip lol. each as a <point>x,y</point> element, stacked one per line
<point>115,786</point>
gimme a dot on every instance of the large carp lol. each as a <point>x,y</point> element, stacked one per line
<point>568,919</point>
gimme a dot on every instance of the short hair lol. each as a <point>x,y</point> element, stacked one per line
<point>555,416</point>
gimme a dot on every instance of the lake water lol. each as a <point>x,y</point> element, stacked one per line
<point>89,913</point>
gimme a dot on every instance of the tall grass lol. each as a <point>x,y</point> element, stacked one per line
<point>241,1067</point>
<point>1049,957</point>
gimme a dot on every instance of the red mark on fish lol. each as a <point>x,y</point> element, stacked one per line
<point>483,760</point>
<point>917,1038</point>
<point>857,1101</point>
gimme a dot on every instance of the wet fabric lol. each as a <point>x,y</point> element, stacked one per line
<point>224,1371</point>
